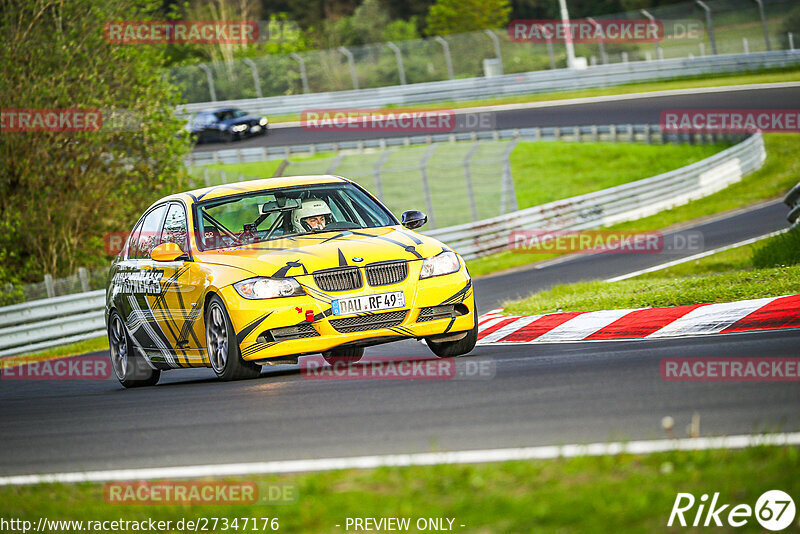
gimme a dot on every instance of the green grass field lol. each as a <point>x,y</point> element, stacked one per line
<point>623,493</point>
<point>780,172</point>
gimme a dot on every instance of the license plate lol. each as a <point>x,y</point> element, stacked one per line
<point>255,129</point>
<point>381,301</point>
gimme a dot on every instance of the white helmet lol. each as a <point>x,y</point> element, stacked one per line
<point>312,207</point>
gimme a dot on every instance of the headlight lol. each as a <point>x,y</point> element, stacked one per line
<point>444,263</point>
<point>268,288</point>
<point>263,121</point>
<point>239,128</point>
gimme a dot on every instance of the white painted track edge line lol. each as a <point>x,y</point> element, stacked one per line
<point>545,452</point>
<point>679,261</point>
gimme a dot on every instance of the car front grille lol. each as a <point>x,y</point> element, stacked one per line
<point>345,279</point>
<point>436,312</point>
<point>386,273</point>
<point>373,321</point>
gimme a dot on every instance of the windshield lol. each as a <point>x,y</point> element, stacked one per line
<point>229,114</point>
<point>276,213</point>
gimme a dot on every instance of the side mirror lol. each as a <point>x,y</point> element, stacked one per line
<point>412,219</point>
<point>167,252</point>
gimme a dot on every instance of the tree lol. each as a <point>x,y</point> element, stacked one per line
<point>459,16</point>
<point>62,192</point>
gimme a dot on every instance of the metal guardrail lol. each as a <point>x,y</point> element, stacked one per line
<point>509,84</point>
<point>41,324</point>
<point>624,202</point>
<point>37,325</point>
<point>793,201</point>
<point>648,133</point>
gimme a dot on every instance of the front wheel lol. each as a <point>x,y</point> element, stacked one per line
<point>464,345</point>
<point>347,355</point>
<point>129,367</point>
<point>223,349</point>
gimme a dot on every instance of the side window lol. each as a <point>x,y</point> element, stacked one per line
<point>175,227</point>
<point>150,236</point>
<point>133,239</point>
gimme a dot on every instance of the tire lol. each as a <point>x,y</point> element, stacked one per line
<point>222,347</point>
<point>448,349</point>
<point>347,355</point>
<point>129,367</point>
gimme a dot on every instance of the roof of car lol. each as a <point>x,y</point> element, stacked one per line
<point>224,190</point>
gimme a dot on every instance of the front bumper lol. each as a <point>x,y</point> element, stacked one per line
<point>258,322</point>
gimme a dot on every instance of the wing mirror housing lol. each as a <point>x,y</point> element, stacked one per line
<point>413,219</point>
<point>168,252</point>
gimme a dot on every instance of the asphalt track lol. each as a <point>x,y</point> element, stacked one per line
<point>536,395</point>
<point>638,110</point>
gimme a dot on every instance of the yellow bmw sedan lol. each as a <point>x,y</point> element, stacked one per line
<point>262,272</point>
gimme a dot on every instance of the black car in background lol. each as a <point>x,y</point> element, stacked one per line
<point>226,124</point>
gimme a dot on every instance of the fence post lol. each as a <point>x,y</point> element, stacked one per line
<point>550,53</point>
<point>763,24</point>
<point>303,75</point>
<point>710,25</point>
<point>399,57</point>
<point>791,42</point>
<point>508,191</point>
<point>222,177</point>
<point>377,172</point>
<point>206,178</point>
<point>212,92</point>
<point>49,286</point>
<point>351,61</point>
<point>613,132</point>
<point>425,188</point>
<point>652,20</point>
<point>496,43</point>
<point>335,164</point>
<point>254,71</point>
<point>473,208</point>
<point>447,59</point>
<point>745,46</point>
<point>83,276</point>
<point>603,55</point>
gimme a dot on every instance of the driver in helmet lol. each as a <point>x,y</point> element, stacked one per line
<point>313,215</point>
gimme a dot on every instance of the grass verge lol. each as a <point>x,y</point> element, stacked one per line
<point>763,269</point>
<point>65,351</point>
<point>780,172</point>
<point>623,493</point>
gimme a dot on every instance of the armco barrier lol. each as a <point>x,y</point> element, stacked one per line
<point>509,84</point>
<point>41,324</point>
<point>624,202</point>
<point>793,201</point>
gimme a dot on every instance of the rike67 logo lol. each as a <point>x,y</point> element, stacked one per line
<point>774,510</point>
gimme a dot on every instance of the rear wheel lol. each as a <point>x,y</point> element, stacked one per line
<point>223,349</point>
<point>129,367</point>
<point>463,346</point>
<point>347,355</point>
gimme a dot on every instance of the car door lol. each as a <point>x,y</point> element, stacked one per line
<point>179,306</point>
<point>141,283</point>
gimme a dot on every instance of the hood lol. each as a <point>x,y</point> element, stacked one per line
<point>296,256</point>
